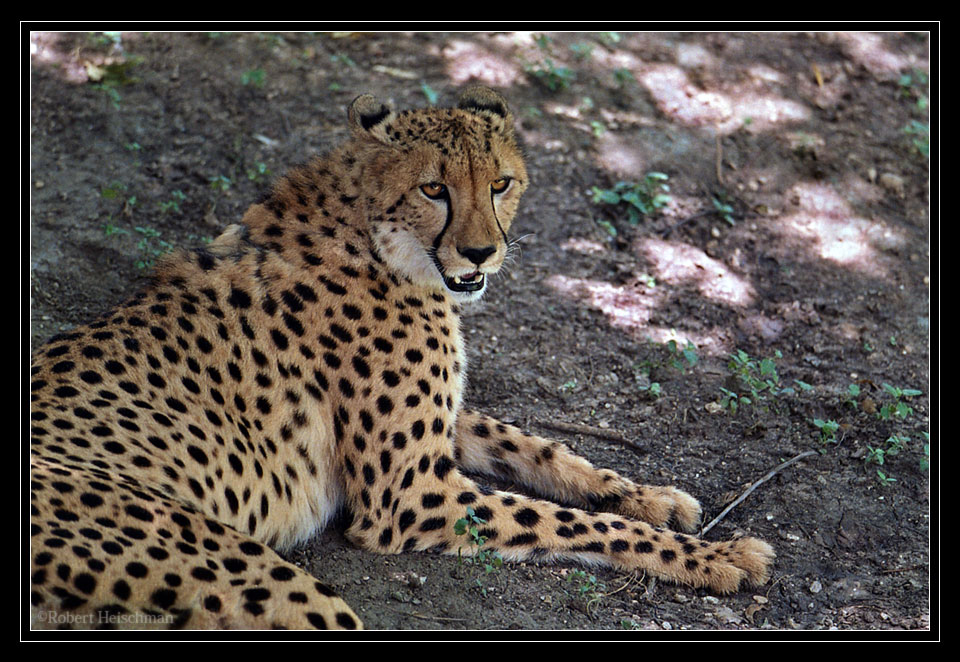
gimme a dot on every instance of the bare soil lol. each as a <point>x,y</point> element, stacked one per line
<point>820,260</point>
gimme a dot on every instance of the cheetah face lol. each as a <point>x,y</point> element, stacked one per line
<point>446,186</point>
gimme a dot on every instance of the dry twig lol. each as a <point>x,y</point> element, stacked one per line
<point>600,433</point>
<point>750,489</point>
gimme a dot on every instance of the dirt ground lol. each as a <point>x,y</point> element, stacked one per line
<point>797,229</point>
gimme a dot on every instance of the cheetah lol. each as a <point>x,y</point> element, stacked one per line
<point>310,360</point>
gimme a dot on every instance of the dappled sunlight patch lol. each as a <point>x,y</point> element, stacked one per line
<point>765,111</point>
<point>681,100</point>
<point>626,307</point>
<point>766,74</point>
<point>583,245</point>
<point>466,60</point>
<point>869,50</point>
<point>627,157</point>
<point>45,49</point>
<point>620,155</point>
<point>694,55</point>
<point>614,59</point>
<point>836,233</point>
<point>681,264</point>
<point>629,307</point>
<point>677,97</point>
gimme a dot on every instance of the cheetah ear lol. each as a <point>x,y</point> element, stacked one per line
<point>480,99</point>
<point>369,116</point>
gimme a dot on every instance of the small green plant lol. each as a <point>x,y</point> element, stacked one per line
<point>111,76</point>
<point>220,183</point>
<point>258,172</point>
<point>173,204</point>
<point>647,279</point>
<point>489,560</point>
<point>885,480</point>
<point>853,392</point>
<point>688,355</point>
<point>874,455</point>
<point>254,77</point>
<point>547,73</point>
<point>731,401</point>
<point>913,86</point>
<point>609,38</point>
<point>588,589</point>
<point>638,198</point>
<point>898,408</point>
<point>828,430</point>
<point>893,446</point>
<point>920,136</point>
<point>551,76</point>
<point>925,460</point>
<point>758,378</point>
<point>110,229</point>
<point>568,386</point>
<point>623,76</point>
<point>582,50</point>
<point>113,190</point>
<point>430,93</point>
<point>607,226</point>
<point>653,389</point>
<point>896,443</point>
<point>724,210</point>
<point>151,247</point>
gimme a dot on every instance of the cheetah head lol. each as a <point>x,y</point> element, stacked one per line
<point>442,185</point>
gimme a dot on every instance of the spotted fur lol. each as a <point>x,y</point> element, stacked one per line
<point>309,360</point>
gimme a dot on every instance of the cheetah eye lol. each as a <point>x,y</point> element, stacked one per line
<point>500,185</point>
<point>434,190</point>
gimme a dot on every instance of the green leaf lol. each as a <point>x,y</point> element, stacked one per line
<point>430,93</point>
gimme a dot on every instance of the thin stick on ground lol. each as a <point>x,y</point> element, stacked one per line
<point>750,489</point>
<point>600,433</point>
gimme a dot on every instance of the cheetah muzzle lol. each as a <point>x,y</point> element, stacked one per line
<point>311,360</point>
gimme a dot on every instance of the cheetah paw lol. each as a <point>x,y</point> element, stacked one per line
<point>737,561</point>
<point>662,505</point>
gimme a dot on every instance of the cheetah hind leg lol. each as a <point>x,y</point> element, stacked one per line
<point>133,560</point>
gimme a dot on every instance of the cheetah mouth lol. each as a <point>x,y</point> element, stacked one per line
<point>471,282</point>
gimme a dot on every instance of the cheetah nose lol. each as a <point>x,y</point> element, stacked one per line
<point>477,255</point>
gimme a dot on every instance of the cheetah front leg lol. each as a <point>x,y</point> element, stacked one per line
<point>550,470</point>
<point>430,497</point>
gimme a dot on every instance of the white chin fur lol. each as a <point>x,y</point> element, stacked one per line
<point>466,297</point>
